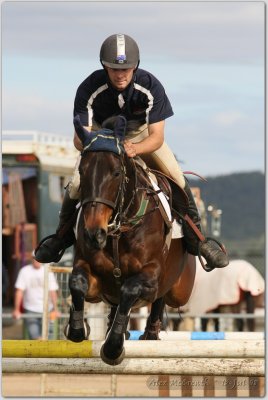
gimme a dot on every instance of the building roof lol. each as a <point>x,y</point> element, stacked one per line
<point>54,152</point>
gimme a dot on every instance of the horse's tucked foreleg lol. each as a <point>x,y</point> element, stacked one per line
<point>134,288</point>
<point>153,324</point>
<point>77,328</point>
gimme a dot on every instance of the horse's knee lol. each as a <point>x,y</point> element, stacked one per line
<point>139,287</point>
<point>78,282</point>
<point>131,290</point>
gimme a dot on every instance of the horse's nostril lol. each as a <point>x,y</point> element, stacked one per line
<point>97,237</point>
<point>100,234</point>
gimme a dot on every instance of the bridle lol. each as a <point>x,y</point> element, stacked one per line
<point>120,221</point>
<point>117,205</point>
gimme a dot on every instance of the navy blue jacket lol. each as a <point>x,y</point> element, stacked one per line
<point>144,99</point>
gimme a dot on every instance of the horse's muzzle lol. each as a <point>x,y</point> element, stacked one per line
<point>97,237</point>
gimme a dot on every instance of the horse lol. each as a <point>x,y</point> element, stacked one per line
<point>228,290</point>
<point>247,302</point>
<point>121,254</point>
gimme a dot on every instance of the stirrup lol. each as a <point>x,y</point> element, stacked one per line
<point>221,246</point>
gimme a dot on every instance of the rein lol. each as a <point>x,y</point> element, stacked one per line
<point>127,223</point>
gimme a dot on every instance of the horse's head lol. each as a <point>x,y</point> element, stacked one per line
<point>102,179</point>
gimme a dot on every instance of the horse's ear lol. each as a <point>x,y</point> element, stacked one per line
<point>83,134</point>
<point>120,127</point>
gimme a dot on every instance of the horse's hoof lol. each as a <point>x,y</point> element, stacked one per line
<point>111,361</point>
<point>77,335</point>
<point>149,336</point>
<point>208,269</point>
<point>142,337</point>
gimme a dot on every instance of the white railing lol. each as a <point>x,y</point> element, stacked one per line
<point>37,137</point>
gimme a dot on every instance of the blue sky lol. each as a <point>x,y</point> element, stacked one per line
<point>208,55</point>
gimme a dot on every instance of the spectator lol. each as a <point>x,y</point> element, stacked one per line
<point>29,296</point>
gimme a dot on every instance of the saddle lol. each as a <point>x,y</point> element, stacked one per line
<point>166,193</point>
<point>176,196</point>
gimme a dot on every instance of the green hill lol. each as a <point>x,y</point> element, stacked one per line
<point>241,197</point>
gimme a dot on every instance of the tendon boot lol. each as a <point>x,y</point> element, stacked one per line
<point>196,244</point>
<point>52,247</point>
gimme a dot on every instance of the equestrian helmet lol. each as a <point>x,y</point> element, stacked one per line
<point>119,51</point>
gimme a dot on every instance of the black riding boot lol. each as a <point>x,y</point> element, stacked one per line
<point>213,255</point>
<point>51,248</point>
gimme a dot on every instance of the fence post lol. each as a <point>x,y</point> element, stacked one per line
<point>45,319</point>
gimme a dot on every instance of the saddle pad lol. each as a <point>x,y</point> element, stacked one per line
<point>177,231</point>
<point>176,227</point>
<point>162,199</point>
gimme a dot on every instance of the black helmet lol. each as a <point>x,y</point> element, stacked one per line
<point>120,51</point>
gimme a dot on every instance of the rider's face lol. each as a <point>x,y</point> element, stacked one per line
<point>120,78</point>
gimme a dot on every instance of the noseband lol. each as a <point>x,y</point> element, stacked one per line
<point>108,203</point>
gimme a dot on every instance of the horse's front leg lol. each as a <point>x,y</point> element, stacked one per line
<point>77,328</point>
<point>140,286</point>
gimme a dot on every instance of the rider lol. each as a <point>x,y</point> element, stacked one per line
<point>123,88</point>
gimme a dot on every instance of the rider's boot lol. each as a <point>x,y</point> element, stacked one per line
<point>212,253</point>
<point>51,248</point>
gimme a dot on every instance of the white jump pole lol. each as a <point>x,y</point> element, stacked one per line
<point>168,366</point>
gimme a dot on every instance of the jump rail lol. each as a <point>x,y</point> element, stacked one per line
<point>154,366</point>
<point>135,349</point>
<point>185,335</point>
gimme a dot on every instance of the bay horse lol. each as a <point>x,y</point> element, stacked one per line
<point>121,255</point>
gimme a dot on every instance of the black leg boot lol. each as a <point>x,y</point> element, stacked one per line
<point>209,249</point>
<point>52,248</point>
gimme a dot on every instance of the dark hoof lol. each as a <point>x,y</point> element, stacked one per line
<point>152,330</point>
<point>149,336</point>
<point>208,269</point>
<point>142,337</point>
<point>111,361</point>
<point>77,335</point>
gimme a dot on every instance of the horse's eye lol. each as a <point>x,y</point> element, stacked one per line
<point>116,174</point>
